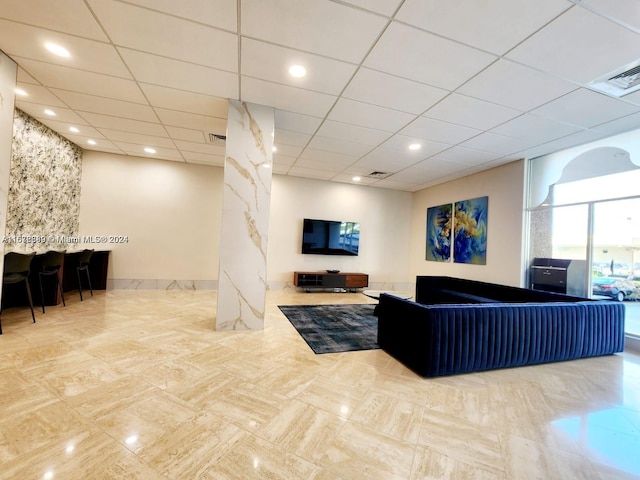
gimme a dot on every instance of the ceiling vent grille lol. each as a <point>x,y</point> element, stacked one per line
<point>377,174</point>
<point>619,83</point>
<point>216,139</point>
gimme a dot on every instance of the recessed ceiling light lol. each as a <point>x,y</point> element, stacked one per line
<point>57,49</point>
<point>356,178</point>
<point>73,129</point>
<point>297,71</point>
<point>274,149</point>
<point>266,165</point>
<point>21,92</point>
<point>91,142</point>
<point>149,150</point>
<point>51,113</point>
<point>415,146</point>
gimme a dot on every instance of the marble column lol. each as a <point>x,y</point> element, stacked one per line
<point>242,278</point>
<point>8,75</point>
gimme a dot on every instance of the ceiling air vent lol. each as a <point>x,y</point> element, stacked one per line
<point>377,174</point>
<point>216,139</point>
<point>619,83</point>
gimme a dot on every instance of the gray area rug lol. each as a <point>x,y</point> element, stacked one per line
<point>335,328</point>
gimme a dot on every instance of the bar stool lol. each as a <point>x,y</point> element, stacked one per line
<point>16,270</point>
<point>51,265</point>
<point>83,266</point>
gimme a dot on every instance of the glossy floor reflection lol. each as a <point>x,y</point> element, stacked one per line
<point>137,385</point>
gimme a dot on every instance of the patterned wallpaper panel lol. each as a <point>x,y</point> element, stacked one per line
<point>44,188</point>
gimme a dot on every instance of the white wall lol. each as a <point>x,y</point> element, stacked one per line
<point>169,211</point>
<point>505,187</point>
<point>385,221</point>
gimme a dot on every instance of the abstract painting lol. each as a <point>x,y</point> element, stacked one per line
<point>470,231</point>
<point>439,233</point>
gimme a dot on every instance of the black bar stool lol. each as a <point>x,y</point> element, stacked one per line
<point>16,270</point>
<point>83,266</point>
<point>51,265</point>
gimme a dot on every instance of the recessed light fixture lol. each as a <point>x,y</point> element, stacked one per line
<point>57,49</point>
<point>415,146</point>
<point>51,113</point>
<point>21,92</point>
<point>74,130</point>
<point>274,149</point>
<point>356,178</point>
<point>266,165</point>
<point>91,142</point>
<point>149,150</point>
<point>297,71</point>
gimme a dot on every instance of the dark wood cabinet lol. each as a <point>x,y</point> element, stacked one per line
<point>349,281</point>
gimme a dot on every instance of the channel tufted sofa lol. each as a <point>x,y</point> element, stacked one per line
<point>458,326</point>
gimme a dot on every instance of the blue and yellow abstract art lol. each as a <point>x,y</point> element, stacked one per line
<point>439,233</point>
<point>470,231</point>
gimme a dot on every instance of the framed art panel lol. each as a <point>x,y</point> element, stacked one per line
<point>470,231</point>
<point>439,233</point>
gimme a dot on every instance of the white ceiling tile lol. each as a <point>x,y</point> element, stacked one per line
<point>498,144</point>
<point>623,11</point>
<point>516,86</point>
<point>579,46</point>
<point>221,13</point>
<point>287,137</point>
<point>440,166</point>
<point>425,57</point>
<point>285,97</point>
<point>186,134</point>
<point>370,116</point>
<point>81,141</point>
<point>385,7</point>
<point>323,74</point>
<point>324,160</point>
<point>24,77</point>
<point>283,160</point>
<point>471,112</point>
<point>344,131</point>
<point>623,124</point>
<point>88,55</point>
<point>535,129</point>
<point>192,121</point>
<point>338,146</point>
<point>63,128</point>
<point>137,138</point>
<point>172,73</point>
<point>115,123</point>
<point>427,148</point>
<point>191,102</point>
<point>38,94</point>
<point>494,25</point>
<point>61,114</point>
<point>296,122</point>
<point>138,150</point>
<point>55,76</point>
<point>585,108</point>
<point>203,158</point>
<point>348,178</point>
<point>77,19</point>
<point>288,151</point>
<point>306,172</point>
<point>167,35</point>
<point>200,148</point>
<point>437,131</point>
<point>107,106</point>
<point>387,160</point>
<point>466,156</point>
<point>325,28</point>
<point>389,91</point>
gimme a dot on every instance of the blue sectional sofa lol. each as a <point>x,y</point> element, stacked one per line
<point>458,326</point>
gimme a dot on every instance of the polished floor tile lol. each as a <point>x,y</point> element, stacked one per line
<point>138,385</point>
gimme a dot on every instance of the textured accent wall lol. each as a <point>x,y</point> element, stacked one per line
<point>44,187</point>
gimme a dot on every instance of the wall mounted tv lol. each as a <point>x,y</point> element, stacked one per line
<point>329,237</point>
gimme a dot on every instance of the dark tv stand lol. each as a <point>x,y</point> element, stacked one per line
<point>348,281</point>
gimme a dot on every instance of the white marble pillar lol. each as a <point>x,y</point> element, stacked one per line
<point>242,278</point>
<point>8,75</point>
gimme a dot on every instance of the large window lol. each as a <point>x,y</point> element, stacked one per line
<point>584,205</point>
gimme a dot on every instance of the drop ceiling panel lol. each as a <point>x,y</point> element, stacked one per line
<point>579,46</point>
<point>496,29</point>
<point>344,131</point>
<point>186,134</point>
<point>125,125</point>
<point>77,19</point>
<point>516,86</point>
<point>38,94</point>
<point>438,131</point>
<point>283,160</point>
<point>324,160</point>
<point>385,7</point>
<point>203,158</point>
<point>137,138</point>
<point>369,116</point>
<point>81,141</point>
<point>387,160</point>
<point>172,73</point>
<point>286,137</point>
<point>466,156</point>
<point>325,28</point>
<point>623,11</point>
<point>471,112</point>
<point>285,97</point>
<point>425,57</point>
<point>296,122</point>
<point>585,108</point>
<point>200,148</point>
<point>138,150</point>
<point>221,13</point>
<point>624,124</point>
<point>271,62</point>
<point>339,146</point>
<point>167,35</point>
<point>107,106</point>
<point>427,148</point>
<point>290,151</point>
<point>534,128</point>
<point>306,172</point>
<point>24,77</point>
<point>192,121</point>
<point>63,128</point>
<point>70,79</point>
<point>173,99</point>
<point>498,144</point>
<point>89,55</point>
<point>61,114</point>
<point>393,92</point>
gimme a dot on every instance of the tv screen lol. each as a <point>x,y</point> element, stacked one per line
<point>328,237</point>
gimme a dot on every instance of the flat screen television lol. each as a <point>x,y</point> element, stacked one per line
<point>330,237</point>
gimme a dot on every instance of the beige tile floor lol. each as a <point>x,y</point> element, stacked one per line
<point>137,385</point>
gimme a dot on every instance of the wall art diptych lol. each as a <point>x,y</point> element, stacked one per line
<point>470,231</point>
<point>439,233</point>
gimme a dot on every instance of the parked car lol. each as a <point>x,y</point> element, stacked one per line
<point>616,288</point>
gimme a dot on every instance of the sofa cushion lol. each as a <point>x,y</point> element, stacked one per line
<point>443,296</point>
